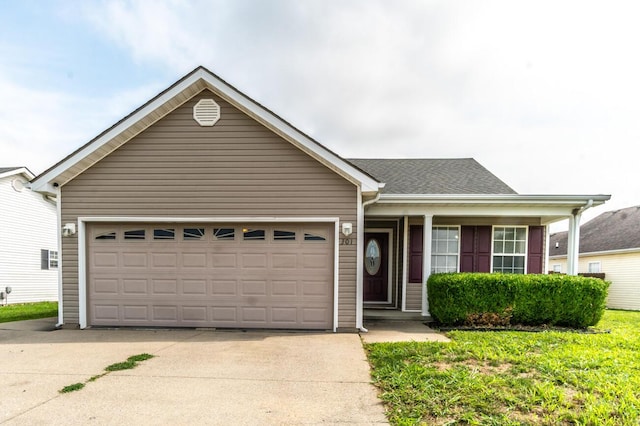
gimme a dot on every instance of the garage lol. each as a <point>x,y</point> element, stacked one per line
<point>240,275</point>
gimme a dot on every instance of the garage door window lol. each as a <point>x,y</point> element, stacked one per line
<point>253,234</point>
<point>193,234</point>
<point>314,236</point>
<point>106,236</point>
<point>223,233</point>
<point>279,235</point>
<point>134,234</point>
<point>164,234</point>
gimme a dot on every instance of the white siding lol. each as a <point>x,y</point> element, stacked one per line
<point>622,270</point>
<point>27,225</point>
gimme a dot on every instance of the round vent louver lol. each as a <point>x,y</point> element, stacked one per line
<point>206,112</point>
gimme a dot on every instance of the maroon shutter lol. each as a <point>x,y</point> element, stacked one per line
<point>483,248</point>
<point>415,253</point>
<point>475,249</point>
<point>467,248</point>
<point>535,250</point>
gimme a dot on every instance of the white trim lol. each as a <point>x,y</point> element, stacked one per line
<point>60,257</point>
<point>599,253</point>
<point>594,263</point>
<point>526,245</point>
<point>458,227</point>
<point>405,262</point>
<point>18,171</point>
<point>359,261</point>
<point>390,251</point>
<point>203,77</point>
<point>82,249</point>
<point>427,226</point>
<point>573,200</point>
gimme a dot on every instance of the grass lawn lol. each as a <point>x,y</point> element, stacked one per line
<point>513,378</point>
<point>27,311</point>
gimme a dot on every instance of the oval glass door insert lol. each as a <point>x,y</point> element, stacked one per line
<point>372,258</point>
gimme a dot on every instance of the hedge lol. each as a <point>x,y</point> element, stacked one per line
<point>500,299</point>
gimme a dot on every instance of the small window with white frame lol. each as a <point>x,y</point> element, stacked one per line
<point>509,249</point>
<point>444,248</point>
<point>48,259</point>
<point>594,267</point>
<point>557,269</point>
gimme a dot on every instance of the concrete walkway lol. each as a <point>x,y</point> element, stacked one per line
<point>196,377</point>
<point>400,331</point>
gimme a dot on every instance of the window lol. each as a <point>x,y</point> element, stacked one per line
<point>164,234</point>
<point>313,236</point>
<point>284,235</point>
<point>253,234</point>
<point>106,236</point>
<point>594,267</point>
<point>48,259</point>
<point>223,233</point>
<point>134,234</point>
<point>193,234</point>
<point>509,249</point>
<point>557,269</point>
<point>444,249</point>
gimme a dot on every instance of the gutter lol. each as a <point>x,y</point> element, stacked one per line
<point>371,201</point>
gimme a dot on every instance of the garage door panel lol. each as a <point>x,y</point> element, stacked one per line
<point>281,281</point>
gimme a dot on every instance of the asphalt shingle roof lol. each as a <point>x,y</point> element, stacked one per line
<point>433,176</point>
<point>614,230</point>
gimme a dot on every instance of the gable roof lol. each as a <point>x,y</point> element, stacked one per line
<point>10,171</point>
<point>171,98</point>
<point>433,176</point>
<point>610,231</point>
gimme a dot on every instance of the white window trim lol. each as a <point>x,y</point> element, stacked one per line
<point>82,249</point>
<point>526,244</point>
<point>594,263</point>
<point>559,271</point>
<point>448,254</point>
<point>57,259</point>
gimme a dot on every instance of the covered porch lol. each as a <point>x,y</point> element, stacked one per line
<point>407,238</point>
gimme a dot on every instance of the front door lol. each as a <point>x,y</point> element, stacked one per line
<point>376,271</point>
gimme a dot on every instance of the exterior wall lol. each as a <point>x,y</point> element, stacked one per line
<point>237,168</point>
<point>27,225</point>
<point>622,270</point>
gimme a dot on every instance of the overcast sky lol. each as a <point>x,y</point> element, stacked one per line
<point>545,94</point>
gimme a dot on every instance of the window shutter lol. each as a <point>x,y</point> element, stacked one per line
<point>44,259</point>
<point>415,254</point>
<point>475,249</point>
<point>535,250</point>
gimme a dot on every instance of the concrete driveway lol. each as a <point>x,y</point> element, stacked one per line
<point>196,377</point>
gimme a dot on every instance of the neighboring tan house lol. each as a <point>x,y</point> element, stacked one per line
<point>609,244</point>
<point>202,208</point>
<point>28,240</point>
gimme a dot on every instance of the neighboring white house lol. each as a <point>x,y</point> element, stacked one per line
<point>609,244</point>
<point>28,240</point>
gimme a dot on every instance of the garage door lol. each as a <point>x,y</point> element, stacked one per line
<point>213,275</point>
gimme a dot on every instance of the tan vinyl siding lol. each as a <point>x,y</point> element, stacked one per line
<point>237,168</point>
<point>621,269</point>
<point>414,297</point>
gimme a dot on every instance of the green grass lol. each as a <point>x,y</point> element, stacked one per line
<point>28,311</point>
<point>130,363</point>
<point>515,378</point>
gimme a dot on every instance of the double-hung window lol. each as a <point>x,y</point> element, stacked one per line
<point>444,249</point>
<point>509,249</point>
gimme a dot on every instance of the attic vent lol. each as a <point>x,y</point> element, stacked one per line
<point>206,112</point>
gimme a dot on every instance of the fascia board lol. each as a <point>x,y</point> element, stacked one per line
<point>19,171</point>
<point>44,183</point>
<point>600,253</point>
<point>506,199</point>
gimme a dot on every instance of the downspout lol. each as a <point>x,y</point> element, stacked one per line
<point>360,260</point>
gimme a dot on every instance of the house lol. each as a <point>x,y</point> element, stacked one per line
<point>28,240</point>
<point>609,244</point>
<point>202,208</point>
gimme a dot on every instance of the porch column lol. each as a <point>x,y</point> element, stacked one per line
<point>573,243</point>
<point>426,261</point>
<point>405,261</point>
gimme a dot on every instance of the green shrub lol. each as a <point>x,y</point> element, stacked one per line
<point>496,299</point>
